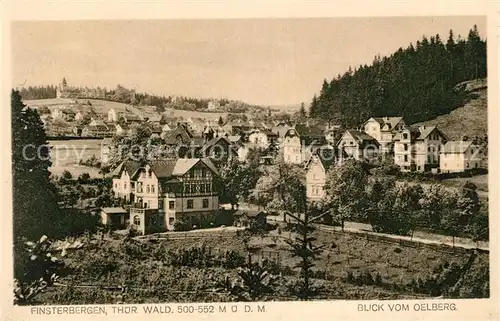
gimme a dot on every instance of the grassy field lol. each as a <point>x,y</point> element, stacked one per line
<point>470,119</point>
<point>145,268</point>
<point>194,114</point>
<point>65,155</point>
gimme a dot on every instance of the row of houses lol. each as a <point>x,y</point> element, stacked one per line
<point>413,148</point>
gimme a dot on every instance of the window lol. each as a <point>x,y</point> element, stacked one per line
<point>171,205</point>
<point>149,174</point>
<point>116,185</point>
<point>203,172</point>
<point>149,204</point>
<point>405,147</point>
<point>147,188</point>
<point>171,221</point>
<point>208,187</point>
<point>152,189</point>
<point>405,136</point>
<point>160,204</point>
<point>190,204</point>
<point>205,203</point>
<point>406,158</point>
<point>476,165</point>
<point>467,165</point>
<point>125,185</point>
<point>202,188</point>
<point>137,220</point>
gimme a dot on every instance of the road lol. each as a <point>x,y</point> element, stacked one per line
<point>418,236</point>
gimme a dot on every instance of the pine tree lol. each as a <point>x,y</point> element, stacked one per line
<point>302,112</point>
<point>34,197</point>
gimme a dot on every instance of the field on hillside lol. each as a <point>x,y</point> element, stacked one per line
<point>194,114</point>
<point>470,119</point>
<point>66,154</point>
<point>160,271</point>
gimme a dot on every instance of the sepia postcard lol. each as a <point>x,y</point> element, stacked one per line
<point>274,162</point>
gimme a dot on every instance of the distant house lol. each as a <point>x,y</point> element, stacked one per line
<point>418,148</point>
<point>213,105</point>
<point>300,142</point>
<point>131,118</point>
<point>280,129</point>
<point>383,129</point>
<point>79,116</point>
<point>218,148</point>
<point>114,115</point>
<point>122,129</point>
<point>105,150</point>
<point>235,139</point>
<point>180,135</point>
<point>262,138</point>
<point>98,129</point>
<point>113,217</point>
<point>316,170</point>
<point>242,152</point>
<point>65,114</point>
<point>155,119</point>
<point>358,145</point>
<point>459,156</point>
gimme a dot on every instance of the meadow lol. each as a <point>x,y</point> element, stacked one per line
<point>114,269</point>
<point>65,155</point>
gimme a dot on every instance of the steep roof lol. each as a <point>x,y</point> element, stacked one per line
<point>163,168</point>
<point>180,131</point>
<point>310,131</point>
<point>456,147</point>
<point>361,137</point>
<point>129,166</point>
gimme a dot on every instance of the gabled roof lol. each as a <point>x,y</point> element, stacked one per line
<point>310,131</point>
<point>361,138</point>
<point>129,166</point>
<point>392,121</point>
<point>180,131</point>
<point>456,147</point>
<point>325,160</point>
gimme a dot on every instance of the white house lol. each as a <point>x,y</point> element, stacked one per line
<point>358,145</point>
<point>383,129</point>
<point>418,148</point>
<point>300,142</point>
<point>316,172</point>
<point>262,138</point>
<point>459,156</point>
<point>163,191</point>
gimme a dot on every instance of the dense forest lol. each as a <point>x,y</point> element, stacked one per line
<point>418,82</point>
<point>38,92</point>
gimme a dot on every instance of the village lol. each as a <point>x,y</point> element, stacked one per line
<point>158,192</point>
<point>376,188</point>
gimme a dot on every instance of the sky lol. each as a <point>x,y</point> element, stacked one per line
<point>260,61</point>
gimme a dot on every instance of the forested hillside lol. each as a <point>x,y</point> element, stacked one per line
<point>418,82</point>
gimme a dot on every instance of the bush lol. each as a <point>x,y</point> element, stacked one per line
<point>182,225</point>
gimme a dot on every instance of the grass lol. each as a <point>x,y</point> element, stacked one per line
<point>66,154</point>
<point>143,266</point>
<point>470,119</point>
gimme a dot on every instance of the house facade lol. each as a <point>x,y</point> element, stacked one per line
<point>262,138</point>
<point>383,129</point>
<point>164,191</point>
<point>358,145</point>
<point>418,148</point>
<point>459,156</point>
<point>300,142</point>
<point>316,171</point>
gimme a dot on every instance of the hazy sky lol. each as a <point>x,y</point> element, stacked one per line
<point>272,62</point>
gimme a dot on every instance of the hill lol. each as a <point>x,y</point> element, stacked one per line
<point>471,119</point>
